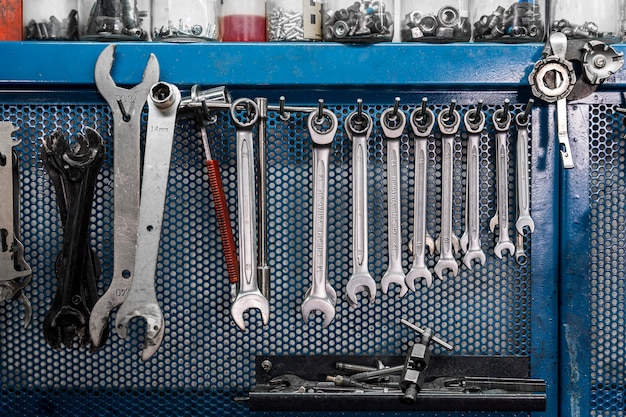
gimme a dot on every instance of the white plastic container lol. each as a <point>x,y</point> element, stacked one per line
<point>294,20</point>
<point>55,20</point>
<point>437,21</point>
<point>242,21</point>
<point>114,20</point>
<point>509,21</point>
<point>361,21</point>
<point>578,19</point>
<point>184,20</point>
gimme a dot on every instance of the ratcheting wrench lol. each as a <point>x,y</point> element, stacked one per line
<point>321,295</point>
<point>393,123</point>
<point>359,128</point>
<point>141,301</point>
<point>126,107</point>
<point>474,121</point>
<point>422,121</point>
<point>15,273</point>
<point>249,295</point>
<point>502,122</point>
<point>449,121</point>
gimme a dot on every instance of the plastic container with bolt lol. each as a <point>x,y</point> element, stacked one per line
<point>184,20</point>
<point>294,20</point>
<point>577,19</point>
<point>439,21</point>
<point>114,20</point>
<point>53,20</point>
<point>363,21</point>
<point>508,21</point>
<point>243,21</point>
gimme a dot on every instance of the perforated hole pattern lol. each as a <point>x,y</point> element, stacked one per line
<point>205,360</point>
<point>608,259</point>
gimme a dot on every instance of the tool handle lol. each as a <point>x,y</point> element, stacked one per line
<point>223,220</point>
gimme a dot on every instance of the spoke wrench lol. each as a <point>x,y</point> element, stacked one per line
<point>15,273</point>
<point>359,129</point>
<point>141,301</point>
<point>126,107</point>
<point>73,171</point>
<point>393,123</point>
<point>321,295</point>
<point>249,295</point>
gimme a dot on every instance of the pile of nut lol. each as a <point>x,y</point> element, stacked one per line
<point>521,21</point>
<point>53,29</point>
<point>575,31</point>
<point>447,25</point>
<point>367,20</point>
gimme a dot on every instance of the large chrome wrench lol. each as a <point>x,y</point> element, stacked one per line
<point>502,122</point>
<point>422,121</point>
<point>474,121</point>
<point>321,295</point>
<point>393,123</point>
<point>249,295</point>
<point>449,121</point>
<point>141,300</point>
<point>359,129</point>
<point>521,175</point>
<point>126,107</point>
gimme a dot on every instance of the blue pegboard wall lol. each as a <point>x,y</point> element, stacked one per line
<point>205,360</point>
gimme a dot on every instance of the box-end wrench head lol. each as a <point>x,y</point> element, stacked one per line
<point>393,123</point>
<point>320,296</point>
<point>422,121</point>
<point>249,295</point>
<point>359,129</point>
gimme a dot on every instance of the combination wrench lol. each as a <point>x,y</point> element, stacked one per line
<point>249,295</point>
<point>359,129</point>
<point>422,121</point>
<point>474,121</point>
<point>524,220</point>
<point>141,301</point>
<point>321,296</point>
<point>449,121</point>
<point>393,123</point>
<point>502,122</point>
<point>126,107</point>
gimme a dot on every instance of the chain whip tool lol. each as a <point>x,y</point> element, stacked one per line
<point>474,121</point>
<point>321,296</point>
<point>449,121</point>
<point>249,295</point>
<point>422,121</point>
<point>359,129</point>
<point>15,273</point>
<point>502,122</point>
<point>263,268</point>
<point>522,184</point>
<point>141,301</point>
<point>393,123</point>
<point>126,107</point>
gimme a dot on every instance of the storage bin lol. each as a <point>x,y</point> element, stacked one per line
<point>184,20</point>
<point>509,21</point>
<point>294,20</point>
<point>435,21</point>
<point>579,20</point>
<point>358,21</point>
<point>242,21</point>
<point>123,20</point>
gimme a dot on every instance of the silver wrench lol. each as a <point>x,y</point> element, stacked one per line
<point>126,107</point>
<point>321,296</point>
<point>141,301</point>
<point>359,129</point>
<point>474,121</point>
<point>502,122</point>
<point>521,174</point>
<point>249,295</point>
<point>449,121</point>
<point>422,121</point>
<point>393,123</point>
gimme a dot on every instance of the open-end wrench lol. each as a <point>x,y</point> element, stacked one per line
<point>359,129</point>
<point>126,107</point>
<point>449,121</point>
<point>249,295</point>
<point>15,273</point>
<point>321,296</point>
<point>422,121</point>
<point>521,173</point>
<point>502,122</point>
<point>393,123</point>
<point>263,267</point>
<point>141,301</point>
<point>474,121</point>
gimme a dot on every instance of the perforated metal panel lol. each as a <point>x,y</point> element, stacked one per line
<point>205,360</point>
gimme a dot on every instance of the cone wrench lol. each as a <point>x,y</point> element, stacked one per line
<point>321,296</point>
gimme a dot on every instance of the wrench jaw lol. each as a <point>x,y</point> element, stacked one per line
<point>99,319</point>
<point>446,264</point>
<point>358,283</point>
<point>155,325</point>
<point>474,255</point>
<point>523,222</point>
<point>502,247</point>
<point>326,306</point>
<point>416,273</point>
<point>247,301</point>
<point>392,277</point>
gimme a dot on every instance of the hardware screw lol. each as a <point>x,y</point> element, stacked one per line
<point>266,365</point>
